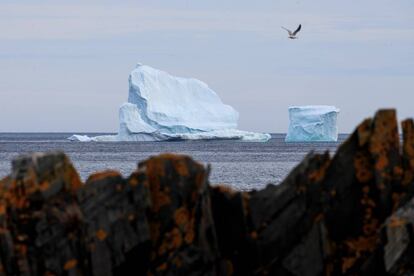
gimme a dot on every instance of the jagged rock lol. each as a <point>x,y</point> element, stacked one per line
<point>352,213</point>
<point>182,228</point>
<point>54,226</point>
<point>283,216</point>
<point>236,240</point>
<point>37,208</point>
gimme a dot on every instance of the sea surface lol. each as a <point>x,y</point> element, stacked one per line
<point>242,165</point>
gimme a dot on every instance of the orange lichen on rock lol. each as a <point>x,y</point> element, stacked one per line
<point>159,200</point>
<point>189,234</point>
<point>133,181</point>
<point>361,244</point>
<point>408,137</point>
<point>102,175</point>
<point>319,174</point>
<point>396,222</point>
<point>177,261</point>
<point>356,249</point>
<point>70,264</point>
<point>2,208</point>
<point>56,170</point>
<point>44,186</point>
<point>364,132</point>
<point>384,140</point>
<point>371,226</point>
<point>176,239</point>
<point>181,216</point>
<point>73,178</point>
<point>382,163</point>
<point>162,267</point>
<point>347,263</point>
<point>385,132</point>
<point>226,189</point>
<point>101,234</point>
<point>181,167</point>
<point>154,173</point>
<point>22,248</point>
<point>171,241</point>
<point>408,151</point>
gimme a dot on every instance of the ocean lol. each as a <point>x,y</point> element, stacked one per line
<point>242,165</point>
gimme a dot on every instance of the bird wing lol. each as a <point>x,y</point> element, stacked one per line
<point>297,30</point>
<point>289,31</point>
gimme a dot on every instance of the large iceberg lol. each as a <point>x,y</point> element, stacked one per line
<point>163,107</point>
<point>312,123</point>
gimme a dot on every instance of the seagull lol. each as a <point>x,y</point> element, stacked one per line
<point>292,35</point>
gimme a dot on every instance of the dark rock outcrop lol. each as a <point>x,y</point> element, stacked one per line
<point>350,214</point>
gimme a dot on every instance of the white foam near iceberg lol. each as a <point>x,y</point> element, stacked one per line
<point>312,123</point>
<point>163,107</point>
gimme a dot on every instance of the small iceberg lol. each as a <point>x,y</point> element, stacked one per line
<point>80,138</point>
<point>162,107</point>
<point>312,123</point>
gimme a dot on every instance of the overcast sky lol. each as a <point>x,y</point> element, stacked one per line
<point>64,65</point>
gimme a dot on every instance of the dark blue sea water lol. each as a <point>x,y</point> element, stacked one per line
<point>242,165</point>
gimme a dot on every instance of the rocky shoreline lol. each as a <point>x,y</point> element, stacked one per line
<point>350,214</point>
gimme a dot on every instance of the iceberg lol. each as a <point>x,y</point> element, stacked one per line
<point>81,138</point>
<point>312,123</point>
<point>163,107</point>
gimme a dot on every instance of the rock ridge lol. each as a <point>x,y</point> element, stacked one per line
<point>352,213</point>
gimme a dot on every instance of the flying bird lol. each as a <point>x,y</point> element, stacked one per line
<point>292,35</point>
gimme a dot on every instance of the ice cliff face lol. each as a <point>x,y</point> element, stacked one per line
<point>178,104</point>
<point>312,123</point>
<point>164,107</point>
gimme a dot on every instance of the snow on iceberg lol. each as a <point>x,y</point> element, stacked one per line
<point>163,107</point>
<point>312,123</point>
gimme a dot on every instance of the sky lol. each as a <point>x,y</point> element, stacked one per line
<point>64,65</point>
